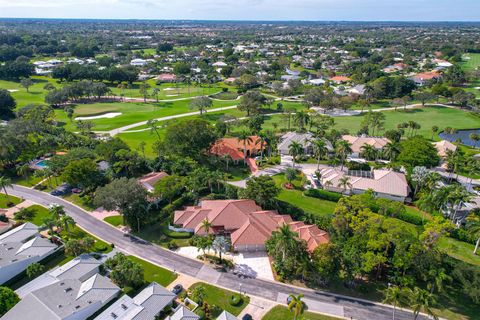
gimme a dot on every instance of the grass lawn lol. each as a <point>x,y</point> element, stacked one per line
<point>79,201</point>
<point>281,312</point>
<point>114,220</point>
<point>78,233</point>
<point>160,234</point>
<point>472,63</point>
<point>459,250</point>
<point>426,117</point>
<point>155,273</point>
<point>41,213</point>
<point>308,204</point>
<point>29,181</point>
<point>5,200</point>
<point>220,297</point>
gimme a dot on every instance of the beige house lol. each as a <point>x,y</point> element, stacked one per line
<point>443,147</point>
<point>358,141</point>
<point>385,183</point>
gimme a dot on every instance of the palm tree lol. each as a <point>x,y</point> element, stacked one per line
<point>290,175</point>
<point>4,183</point>
<point>67,221</point>
<point>343,149</point>
<point>206,225</point>
<point>301,119</point>
<point>262,136</point>
<point>144,91</point>
<point>49,223</point>
<point>438,278</point>
<point>434,131</point>
<point>152,124</point>
<point>473,228</point>
<point>475,137</point>
<point>368,151</point>
<point>393,295</point>
<point>296,305</point>
<point>244,137</point>
<point>23,170</point>
<point>295,149</point>
<point>284,239</point>
<point>319,150</point>
<point>391,150</point>
<point>226,158</point>
<point>155,92</point>
<point>220,245</point>
<point>344,183</point>
<point>421,300</point>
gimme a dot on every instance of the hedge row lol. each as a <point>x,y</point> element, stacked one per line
<point>323,194</point>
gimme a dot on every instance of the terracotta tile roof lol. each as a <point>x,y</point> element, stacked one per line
<point>247,222</point>
<point>235,147</point>
<point>148,181</point>
<point>358,141</point>
<point>443,146</point>
<point>427,75</point>
<point>339,79</point>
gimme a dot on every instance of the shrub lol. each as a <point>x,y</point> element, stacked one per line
<point>201,314</point>
<point>323,194</point>
<point>410,217</point>
<point>235,300</point>
<point>100,247</point>
<point>462,235</point>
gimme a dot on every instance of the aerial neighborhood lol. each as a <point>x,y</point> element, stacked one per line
<point>187,170</point>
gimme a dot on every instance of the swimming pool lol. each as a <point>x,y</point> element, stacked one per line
<point>41,164</point>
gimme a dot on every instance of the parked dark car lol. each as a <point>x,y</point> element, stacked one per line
<point>61,190</point>
<point>177,289</point>
<point>247,317</point>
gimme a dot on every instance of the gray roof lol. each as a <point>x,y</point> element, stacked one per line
<point>226,316</point>
<point>305,139</point>
<point>14,252</point>
<point>183,313</point>
<point>144,306</point>
<point>81,268</point>
<point>64,298</point>
<point>20,233</point>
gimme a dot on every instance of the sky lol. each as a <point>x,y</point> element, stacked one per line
<point>317,10</point>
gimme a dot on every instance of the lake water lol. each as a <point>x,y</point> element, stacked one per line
<point>463,135</point>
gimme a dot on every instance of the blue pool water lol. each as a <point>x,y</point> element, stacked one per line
<point>463,135</point>
<point>41,163</point>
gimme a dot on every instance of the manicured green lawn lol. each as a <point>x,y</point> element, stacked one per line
<point>308,204</point>
<point>155,273</point>
<point>82,202</point>
<point>459,250</point>
<point>281,312</point>
<point>220,297</point>
<point>36,92</point>
<point>471,64</point>
<point>78,233</point>
<point>4,200</point>
<point>29,181</point>
<point>159,233</point>
<point>426,117</point>
<point>114,220</point>
<point>41,213</point>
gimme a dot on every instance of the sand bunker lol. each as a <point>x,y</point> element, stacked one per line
<point>106,115</point>
<point>168,89</point>
<point>12,90</point>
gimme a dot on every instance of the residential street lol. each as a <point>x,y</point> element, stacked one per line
<point>350,308</point>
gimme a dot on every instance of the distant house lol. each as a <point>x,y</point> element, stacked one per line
<point>357,90</point>
<point>247,225</point>
<point>316,82</point>
<point>305,139</point>
<point>149,180</point>
<point>423,78</point>
<point>19,248</point>
<point>357,142</point>
<point>146,305</point>
<point>74,291</point>
<point>138,62</point>
<point>235,148</point>
<point>385,183</point>
<point>166,77</point>
<point>219,64</point>
<point>182,313</point>
<point>340,79</point>
<point>443,147</point>
<point>288,77</point>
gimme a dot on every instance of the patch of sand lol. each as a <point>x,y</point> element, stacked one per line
<point>106,115</point>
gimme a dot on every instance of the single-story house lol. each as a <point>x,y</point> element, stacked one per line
<point>340,79</point>
<point>146,305</point>
<point>74,291</point>
<point>166,77</point>
<point>357,142</point>
<point>225,315</point>
<point>443,147</point>
<point>385,183</point>
<point>423,78</point>
<point>246,223</point>
<point>235,148</point>
<point>182,313</point>
<point>305,139</point>
<point>149,180</point>
<point>19,248</point>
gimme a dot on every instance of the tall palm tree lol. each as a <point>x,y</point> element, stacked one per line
<point>368,151</point>
<point>23,170</point>
<point>4,183</point>
<point>301,119</point>
<point>296,305</point>
<point>475,137</point>
<point>295,149</point>
<point>244,137</point>
<point>206,225</point>
<point>473,228</point>
<point>319,150</point>
<point>434,130</point>
<point>438,278</point>
<point>155,92</point>
<point>421,300</point>
<point>285,239</point>
<point>67,222</point>
<point>344,183</point>
<point>261,140</point>
<point>393,295</point>
<point>343,149</point>
<point>391,150</point>
<point>49,223</point>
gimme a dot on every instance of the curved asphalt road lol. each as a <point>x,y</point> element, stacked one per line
<point>350,307</point>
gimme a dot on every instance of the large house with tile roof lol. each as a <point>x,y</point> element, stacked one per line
<point>246,223</point>
<point>384,183</point>
<point>357,142</point>
<point>235,148</point>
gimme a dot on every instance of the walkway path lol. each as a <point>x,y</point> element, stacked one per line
<point>138,124</point>
<point>352,307</point>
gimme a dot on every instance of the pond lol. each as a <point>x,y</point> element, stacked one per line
<point>462,135</point>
